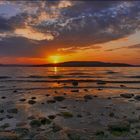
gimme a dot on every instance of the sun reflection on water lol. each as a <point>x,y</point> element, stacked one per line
<point>55,70</point>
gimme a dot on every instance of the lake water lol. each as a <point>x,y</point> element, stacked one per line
<point>39,79</point>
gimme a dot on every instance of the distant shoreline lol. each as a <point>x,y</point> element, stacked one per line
<point>66,66</point>
<point>73,64</point>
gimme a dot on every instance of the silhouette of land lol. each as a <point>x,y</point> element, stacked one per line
<point>75,64</point>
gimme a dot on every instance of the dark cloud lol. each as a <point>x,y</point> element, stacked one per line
<point>81,25</point>
<point>18,46</point>
<point>93,28</point>
<point>88,7</point>
<point>88,28</point>
<point>23,47</point>
<point>5,25</point>
<point>8,25</point>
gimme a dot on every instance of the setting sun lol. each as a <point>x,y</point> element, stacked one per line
<point>55,59</point>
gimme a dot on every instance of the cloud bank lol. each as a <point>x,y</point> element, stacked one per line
<point>36,28</point>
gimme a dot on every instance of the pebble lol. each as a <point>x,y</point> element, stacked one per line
<point>22,100</point>
<point>33,98</point>
<point>127,95</point>
<point>137,97</point>
<point>52,117</point>
<point>76,90</point>
<point>31,102</point>
<point>3,97</point>
<point>75,83</point>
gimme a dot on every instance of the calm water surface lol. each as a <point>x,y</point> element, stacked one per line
<point>60,78</point>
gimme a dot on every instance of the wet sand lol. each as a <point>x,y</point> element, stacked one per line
<point>73,114</point>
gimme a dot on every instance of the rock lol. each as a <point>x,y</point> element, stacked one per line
<point>15,91</point>
<point>127,95</point>
<point>52,117</point>
<point>44,120</point>
<point>79,116</point>
<point>59,98</point>
<point>35,123</point>
<point>22,100</point>
<point>1,111</point>
<point>86,90</point>
<point>1,119</point>
<point>33,98</point>
<point>8,136</point>
<point>124,116</point>
<point>76,90</point>
<point>9,116</point>
<point>3,97</point>
<point>111,114</point>
<point>31,102</point>
<point>111,72</point>
<point>137,97</point>
<point>87,97</point>
<point>133,112</point>
<point>102,114</point>
<point>95,96</point>
<point>67,114</point>
<point>13,110</point>
<point>122,86</point>
<point>75,83</point>
<point>63,107</point>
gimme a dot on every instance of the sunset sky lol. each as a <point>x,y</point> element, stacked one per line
<point>52,31</point>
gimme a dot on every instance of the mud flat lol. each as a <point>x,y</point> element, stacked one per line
<point>67,115</point>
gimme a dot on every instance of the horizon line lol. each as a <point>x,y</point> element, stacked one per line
<point>55,64</point>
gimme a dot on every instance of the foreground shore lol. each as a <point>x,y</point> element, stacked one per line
<point>70,115</point>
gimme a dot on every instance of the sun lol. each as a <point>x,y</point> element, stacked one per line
<point>55,59</point>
